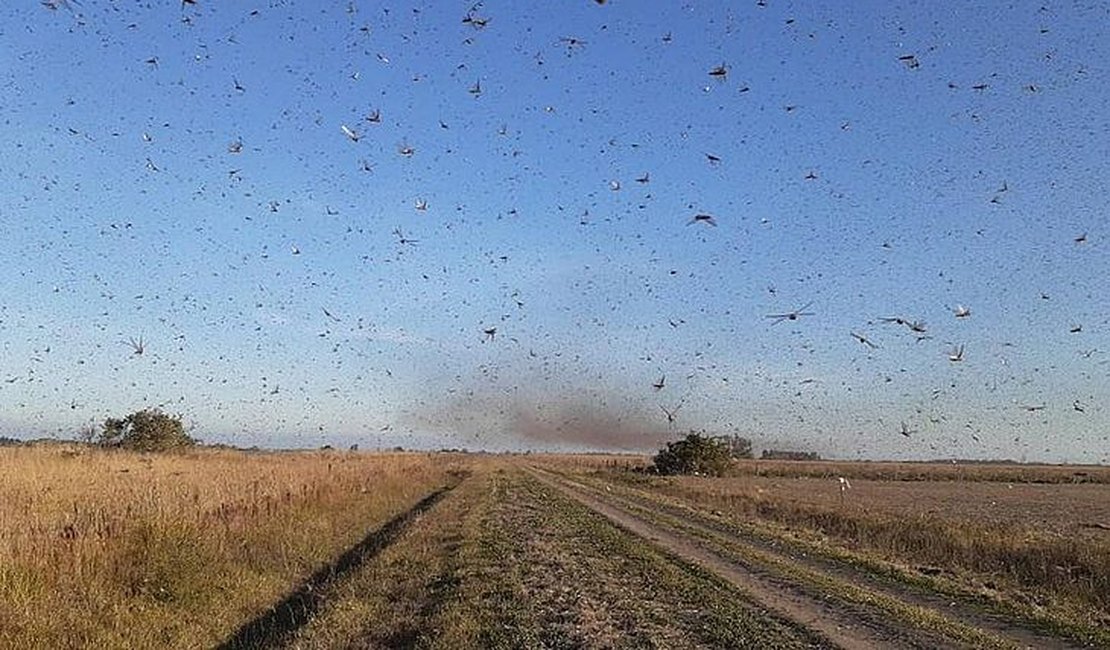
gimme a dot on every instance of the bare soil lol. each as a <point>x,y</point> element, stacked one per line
<point>1063,509</point>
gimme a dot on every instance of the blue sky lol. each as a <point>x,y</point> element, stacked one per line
<point>181,173</point>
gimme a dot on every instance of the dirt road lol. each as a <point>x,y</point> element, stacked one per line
<point>516,556</point>
<point>844,606</point>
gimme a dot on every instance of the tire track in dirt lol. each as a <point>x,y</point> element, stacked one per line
<point>297,608</point>
<point>586,583</point>
<point>829,619</point>
<point>992,623</point>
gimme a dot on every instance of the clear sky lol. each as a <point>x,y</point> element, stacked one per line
<point>311,213</point>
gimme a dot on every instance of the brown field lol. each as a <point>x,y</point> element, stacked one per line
<point>335,549</point>
<point>935,471</point>
<point>102,549</point>
<point>1034,508</point>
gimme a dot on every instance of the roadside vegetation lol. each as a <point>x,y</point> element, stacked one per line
<point>114,548</point>
<point>1035,571</point>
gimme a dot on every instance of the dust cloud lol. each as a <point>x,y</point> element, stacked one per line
<point>582,422</point>
<point>591,425</point>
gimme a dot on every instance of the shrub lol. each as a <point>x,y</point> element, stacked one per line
<point>694,454</point>
<point>146,430</point>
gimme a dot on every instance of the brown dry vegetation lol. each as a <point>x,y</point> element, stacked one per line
<point>118,549</point>
<point>1032,547</point>
<point>932,471</point>
<point>864,470</point>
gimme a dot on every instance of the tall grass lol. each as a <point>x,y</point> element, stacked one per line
<point>118,549</point>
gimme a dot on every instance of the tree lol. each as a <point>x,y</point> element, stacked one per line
<point>146,430</point>
<point>694,454</point>
<point>738,446</point>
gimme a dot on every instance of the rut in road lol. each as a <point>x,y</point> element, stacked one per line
<point>846,624</point>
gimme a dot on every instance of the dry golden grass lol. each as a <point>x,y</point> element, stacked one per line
<point>116,549</point>
<point>575,462</point>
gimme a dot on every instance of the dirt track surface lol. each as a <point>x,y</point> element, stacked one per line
<point>846,622</point>
<point>528,557</point>
<point>504,561</point>
<point>822,618</point>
